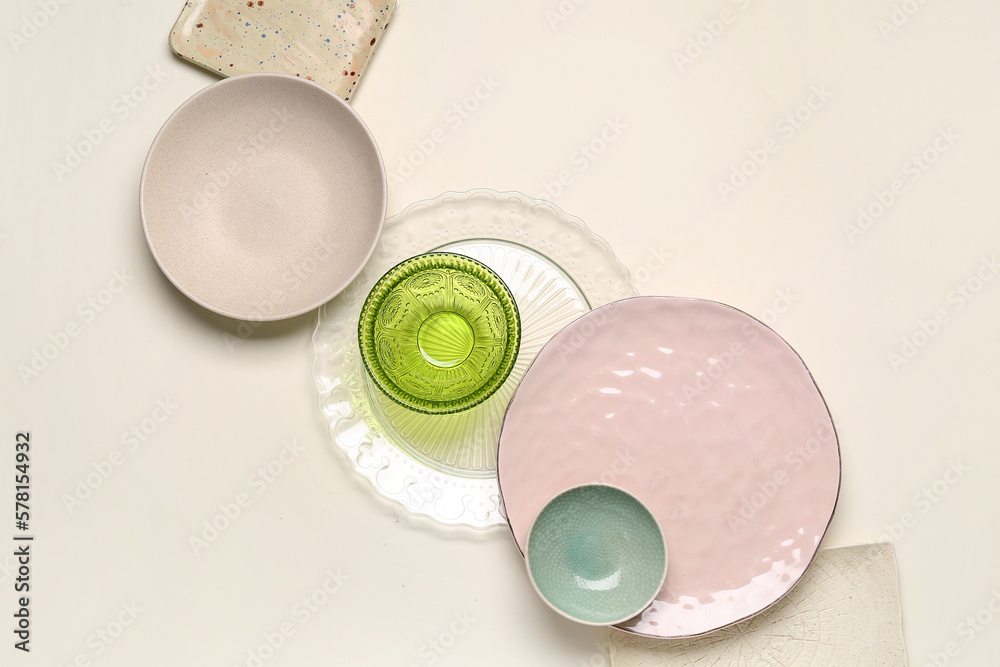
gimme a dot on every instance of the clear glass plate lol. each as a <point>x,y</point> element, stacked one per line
<point>444,466</point>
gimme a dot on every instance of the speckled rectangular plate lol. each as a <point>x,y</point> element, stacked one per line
<point>845,611</point>
<point>326,41</point>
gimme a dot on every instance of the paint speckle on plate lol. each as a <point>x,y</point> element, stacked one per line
<point>210,29</point>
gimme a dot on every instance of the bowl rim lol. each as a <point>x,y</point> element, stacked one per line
<point>368,312</point>
<point>644,506</point>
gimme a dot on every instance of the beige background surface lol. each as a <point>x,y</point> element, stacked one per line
<point>775,247</point>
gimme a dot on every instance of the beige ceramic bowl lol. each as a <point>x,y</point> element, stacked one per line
<point>263,196</point>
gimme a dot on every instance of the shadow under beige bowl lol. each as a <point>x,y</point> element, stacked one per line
<point>263,196</point>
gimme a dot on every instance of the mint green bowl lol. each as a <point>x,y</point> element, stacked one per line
<point>439,333</point>
<point>596,554</point>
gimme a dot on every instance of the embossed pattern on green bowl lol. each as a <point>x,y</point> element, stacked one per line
<point>439,333</point>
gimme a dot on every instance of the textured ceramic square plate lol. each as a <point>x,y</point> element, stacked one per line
<point>845,611</point>
<point>326,41</point>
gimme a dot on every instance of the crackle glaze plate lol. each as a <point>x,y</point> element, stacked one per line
<point>444,466</point>
<point>709,418</point>
<point>330,42</point>
<point>844,612</point>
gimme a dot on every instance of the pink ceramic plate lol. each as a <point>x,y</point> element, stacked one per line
<point>705,415</point>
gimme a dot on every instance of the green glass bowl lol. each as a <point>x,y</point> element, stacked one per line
<point>439,333</point>
<point>595,554</point>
